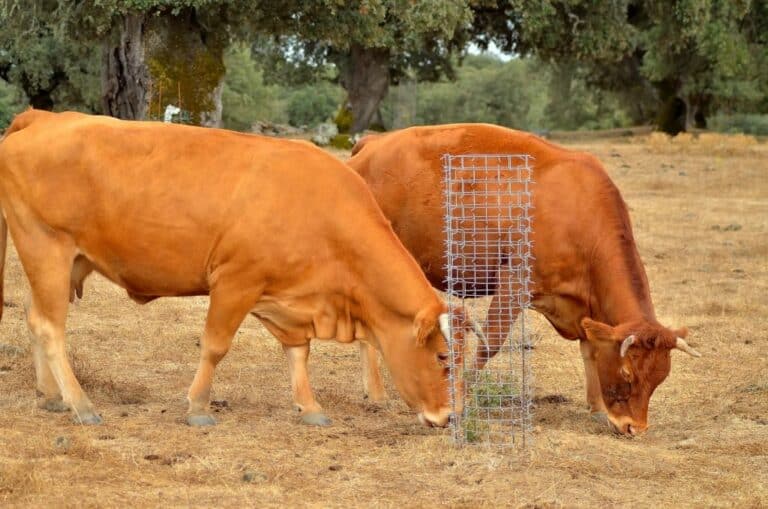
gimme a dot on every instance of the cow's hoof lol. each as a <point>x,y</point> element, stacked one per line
<point>600,417</point>
<point>376,399</point>
<point>316,419</point>
<point>88,419</point>
<point>53,405</point>
<point>201,420</point>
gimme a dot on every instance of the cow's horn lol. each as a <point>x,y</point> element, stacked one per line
<point>629,341</point>
<point>680,344</point>
<point>445,325</point>
<point>478,329</point>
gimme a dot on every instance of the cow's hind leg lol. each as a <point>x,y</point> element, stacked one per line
<point>372,383</point>
<point>47,387</point>
<point>226,311</point>
<point>48,264</point>
<point>303,399</point>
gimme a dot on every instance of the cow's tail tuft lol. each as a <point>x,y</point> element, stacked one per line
<point>363,141</point>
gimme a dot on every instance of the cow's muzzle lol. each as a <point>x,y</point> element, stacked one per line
<point>630,429</point>
<point>432,422</point>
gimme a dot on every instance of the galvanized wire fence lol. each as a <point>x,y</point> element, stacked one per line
<point>488,248</point>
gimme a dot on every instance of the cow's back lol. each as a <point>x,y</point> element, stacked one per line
<point>179,197</point>
<point>404,170</point>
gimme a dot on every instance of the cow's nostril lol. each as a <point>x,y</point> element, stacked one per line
<point>631,430</point>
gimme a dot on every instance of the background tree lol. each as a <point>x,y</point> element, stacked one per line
<point>11,102</point>
<point>39,58</point>
<point>150,48</point>
<point>671,62</point>
<point>371,43</point>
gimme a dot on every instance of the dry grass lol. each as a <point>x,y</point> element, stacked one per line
<point>708,445</point>
<point>711,143</point>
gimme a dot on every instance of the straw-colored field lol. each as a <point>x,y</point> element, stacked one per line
<point>700,213</point>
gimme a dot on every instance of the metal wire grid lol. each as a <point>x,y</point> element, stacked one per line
<point>488,249</point>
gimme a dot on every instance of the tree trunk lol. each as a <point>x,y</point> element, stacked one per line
<point>41,100</point>
<point>366,80</point>
<point>212,118</point>
<point>698,110</point>
<point>673,111</point>
<point>124,78</point>
<point>186,63</point>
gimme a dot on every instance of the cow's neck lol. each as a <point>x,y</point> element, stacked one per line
<point>394,287</point>
<point>607,283</point>
<point>618,286</point>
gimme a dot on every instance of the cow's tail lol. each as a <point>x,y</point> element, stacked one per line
<point>3,245</point>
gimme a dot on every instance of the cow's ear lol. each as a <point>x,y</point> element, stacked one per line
<point>682,332</point>
<point>425,323</point>
<point>598,331</point>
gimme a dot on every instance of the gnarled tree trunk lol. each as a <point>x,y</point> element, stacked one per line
<point>697,110</point>
<point>366,80</point>
<point>186,62</point>
<point>673,110</point>
<point>125,79</point>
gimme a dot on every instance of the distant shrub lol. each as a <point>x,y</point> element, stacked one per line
<point>246,98</point>
<point>312,104</point>
<point>342,141</point>
<point>11,102</point>
<point>344,119</point>
<point>753,124</point>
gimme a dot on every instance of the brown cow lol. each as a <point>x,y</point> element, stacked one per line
<point>275,228</point>
<point>588,279</point>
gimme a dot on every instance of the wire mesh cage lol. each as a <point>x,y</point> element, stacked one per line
<point>488,273</point>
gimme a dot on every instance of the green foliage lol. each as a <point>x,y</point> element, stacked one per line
<point>11,103</point>
<point>706,54</point>
<point>246,98</point>
<point>488,395</point>
<point>702,44</point>
<point>53,70</point>
<point>573,105</point>
<point>312,104</point>
<point>311,36</point>
<point>342,141</point>
<point>344,119</point>
<point>485,90</point>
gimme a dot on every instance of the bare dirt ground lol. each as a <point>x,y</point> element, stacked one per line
<point>700,213</point>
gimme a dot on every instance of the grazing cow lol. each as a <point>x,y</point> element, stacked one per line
<point>275,228</point>
<point>588,279</point>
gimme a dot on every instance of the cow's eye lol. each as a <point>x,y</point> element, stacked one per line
<point>443,357</point>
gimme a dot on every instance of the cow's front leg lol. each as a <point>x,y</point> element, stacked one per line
<point>226,312</point>
<point>594,395</point>
<point>303,399</point>
<point>372,383</point>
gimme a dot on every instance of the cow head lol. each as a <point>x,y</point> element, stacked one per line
<point>632,359</point>
<point>423,368</point>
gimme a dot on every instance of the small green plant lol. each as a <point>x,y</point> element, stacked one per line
<point>493,390</point>
<point>342,141</point>
<point>490,396</point>
<point>344,119</point>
